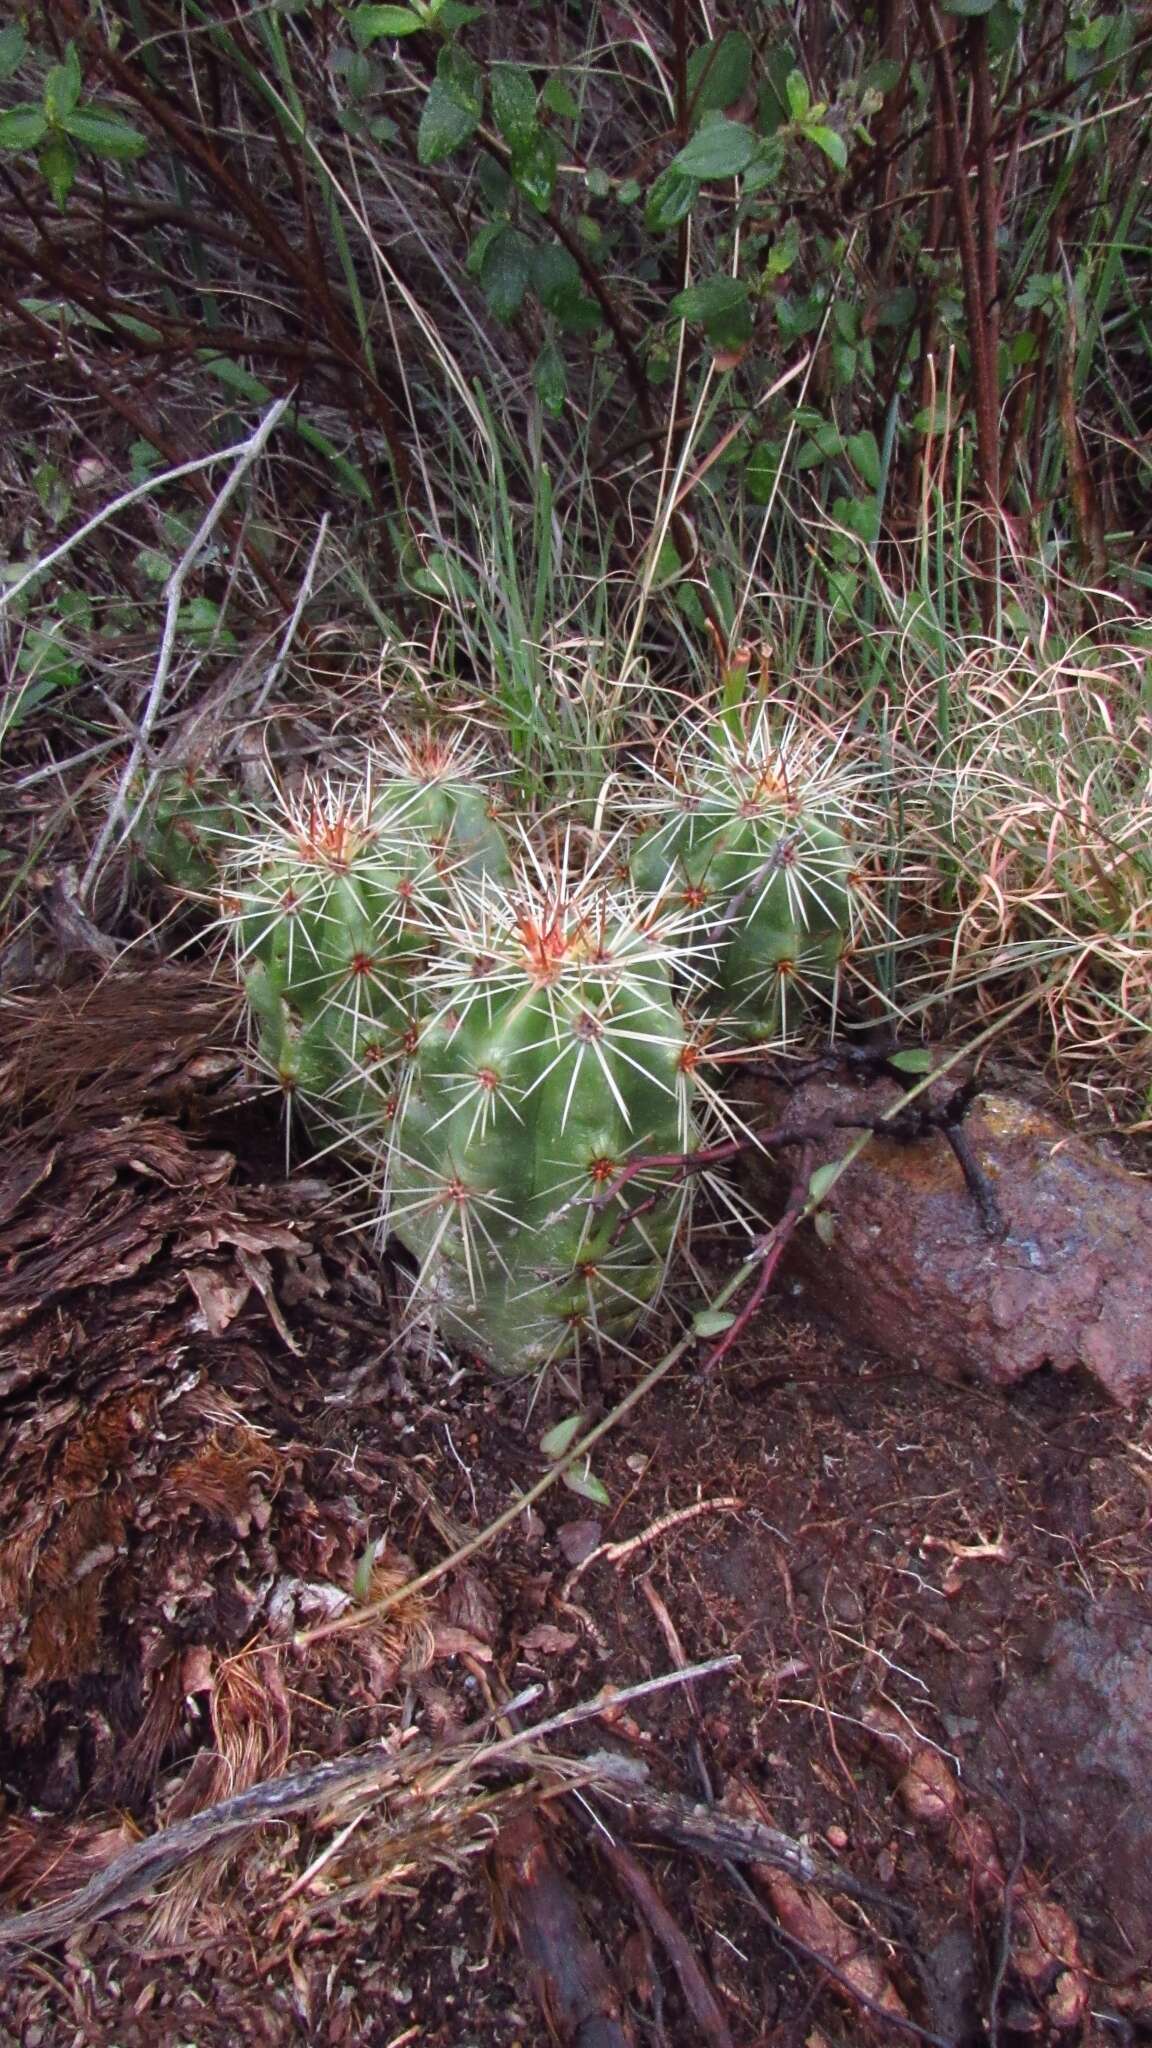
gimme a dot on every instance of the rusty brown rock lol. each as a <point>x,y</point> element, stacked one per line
<point>912,1269</point>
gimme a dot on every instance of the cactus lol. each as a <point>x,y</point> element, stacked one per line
<point>326,900</point>
<point>429,786</point>
<point>552,1053</point>
<point>189,826</point>
<point>503,1042</point>
<point>328,910</point>
<point>754,836</point>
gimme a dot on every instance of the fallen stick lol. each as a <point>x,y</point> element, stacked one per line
<point>371,1774</point>
<point>851,1965</point>
<point>720,1836</point>
<point>570,1981</point>
<point>698,1994</point>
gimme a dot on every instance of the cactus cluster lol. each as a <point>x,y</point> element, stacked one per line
<point>506,1039</point>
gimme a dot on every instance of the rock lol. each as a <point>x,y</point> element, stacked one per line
<point>912,1269</point>
<point>1073,1742</point>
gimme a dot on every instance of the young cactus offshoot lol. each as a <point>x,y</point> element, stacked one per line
<point>189,827</point>
<point>753,834</point>
<point>551,1055</point>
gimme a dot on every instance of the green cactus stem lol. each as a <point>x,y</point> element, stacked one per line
<point>328,912</point>
<point>754,834</point>
<point>552,1053</point>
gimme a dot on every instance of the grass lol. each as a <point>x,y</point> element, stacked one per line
<point>515,492</point>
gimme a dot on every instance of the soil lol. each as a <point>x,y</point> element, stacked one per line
<point>975,1560</point>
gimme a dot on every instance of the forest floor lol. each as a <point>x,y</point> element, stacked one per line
<point>935,1597</point>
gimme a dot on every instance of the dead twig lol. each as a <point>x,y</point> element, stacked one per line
<point>769,1250</point>
<point>329,1787</point>
<point>806,1917</point>
<point>617,1553</point>
<point>720,1836</point>
<point>249,452</point>
<point>699,1996</point>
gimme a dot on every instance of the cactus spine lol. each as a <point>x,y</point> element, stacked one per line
<point>754,835</point>
<point>327,909</point>
<point>552,1054</point>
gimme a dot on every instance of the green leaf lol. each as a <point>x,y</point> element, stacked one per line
<point>772,110</point>
<point>580,316</point>
<point>721,304</point>
<point>831,142</point>
<point>444,125</point>
<point>62,87</point>
<point>971,9</point>
<point>824,1224</point>
<point>368,23</point>
<point>864,454</point>
<point>513,103</point>
<point>712,1322</point>
<point>144,459</point>
<point>201,619</point>
<point>558,100</point>
<point>99,129</point>
<point>718,73</point>
<point>52,491</point>
<point>721,149</point>
<point>797,94</point>
<point>897,307</point>
<point>453,15</point>
<point>480,246</point>
<point>57,161</point>
<point>882,76</point>
<point>45,665</point>
<point>761,472</point>
<point>13,49</point>
<point>365,1566</point>
<point>495,184</point>
<point>555,276</point>
<point>861,517</point>
<point>704,301</point>
<point>916,1060</point>
<point>584,1482</point>
<point>1004,25</point>
<point>783,253</point>
<point>75,608</point>
<point>561,1436</point>
<point>22,127</point>
<point>824,1178</point>
<point>597,182</point>
<point>460,75</point>
<point>504,271</point>
<point>551,379</point>
<point>670,200</point>
<point>534,167</point>
<point>152,564</point>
